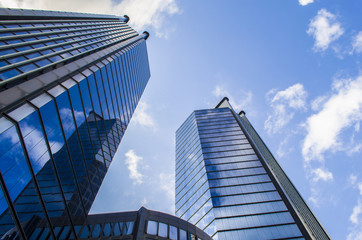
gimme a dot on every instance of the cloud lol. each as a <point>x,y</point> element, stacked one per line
<point>322,174</point>
<point>352,179</point>
<point>341,110</point>
<point>144,14</point>
<point>355,232</point>
<point>132,161</point>
<point>357,43</point>
<point>325,29</point>
<point>357,210</point>
<point>167,183</point>
<point>245,97</point>
<point>68,121</point>
<point>305,2</point>
<point>284,104</point>
<point>141,117</point>
<point>355,218</point>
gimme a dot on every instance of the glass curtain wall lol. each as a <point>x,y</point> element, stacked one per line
<point>56,148</point>
<point>222,185</point>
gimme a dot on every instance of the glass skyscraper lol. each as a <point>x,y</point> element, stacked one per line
<point>229,184</point>
<point>69,84</point>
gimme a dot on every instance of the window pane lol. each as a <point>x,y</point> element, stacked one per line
<point>173,233</point>
<point>162,230</point>
<point>152,228</point>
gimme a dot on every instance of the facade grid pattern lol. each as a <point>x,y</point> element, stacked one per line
<point>58,142</point>
<point>225,187</point>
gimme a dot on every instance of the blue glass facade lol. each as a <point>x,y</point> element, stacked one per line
<point>69,86</point>
<point>225,184</point>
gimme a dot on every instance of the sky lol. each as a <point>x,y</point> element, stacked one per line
<point>294,67</point>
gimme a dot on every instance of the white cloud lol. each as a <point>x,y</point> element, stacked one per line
<point>132,161</point>
<point>342,110</point>
<point>318,103</point>
<point>325,29</point>
<point>245,97</point>
<point>322,174</point>
<point>284,104</point>
<point>167,183</point>
<point>352,179</point>
<point>357,210</point>
<point>356,215</point>
<point>305,2</point>
<point>144,202</point>
<point>357,43</point>
<point>68,121</point>
<point>143,14</point>
<point>142,117</point>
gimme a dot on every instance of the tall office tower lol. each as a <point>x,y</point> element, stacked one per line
<point>229,184</point>
<point>69,84</point>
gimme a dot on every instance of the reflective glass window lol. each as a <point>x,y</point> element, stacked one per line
<point>173,233</point>
<point>107,229</point>
<point>96,230</point>
<point>9,74</point>
<point>16,59</point>
<point>183,235</point>
<point>152,227</point>
<point>117,229</point>
<point>27,67</point>
<point>85,231</point>
<point>162,230</point>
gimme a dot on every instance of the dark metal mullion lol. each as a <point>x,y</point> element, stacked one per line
<point>197,161</point>
<point>202,205</point>
<point>53,161</point>
<point>54,53</point>
<point>131,79</point>
<point>247,193</point>
<point>119,82</point>
<point>140,73</point>
<point>242,184</point>
<point>79,34</point>
<point>183,164</point>
<point>253,214</point>
<point>211,209</point>
<point>12,208</point>
<point>68,152</point>
<point>127,90</point>
<point>107,106</point>
<point>132,74</point>
<point>264,226</point>
<point>89,133</point>
<point>249,175</point>
<point>276,184</point>
<point>233,169</point>
<point>137,77</point>
<point>102,116</point>
<point>103,119</point>
<point>96,124</point>
<point>123,88</point>
<point>79,27</point>
<point>213,164</point>
<point>117,99</point>
<point>64,60</point>
<point>115,108</point>
<point>185,200</point>
<point>37,187</point>
<point>54,21</point>
<point>126,83</point>
<point>11,55</point>
<point>78,134</point>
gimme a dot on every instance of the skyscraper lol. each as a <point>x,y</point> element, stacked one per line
<point>70,83</point>
<point>229,184</point>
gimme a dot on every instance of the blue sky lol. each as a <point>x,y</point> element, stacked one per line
<point>293,66</point>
